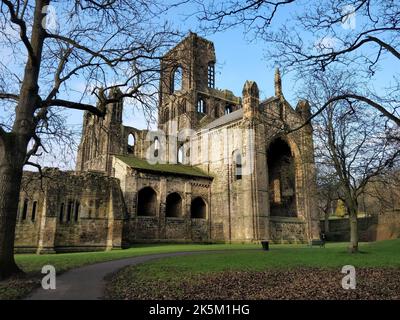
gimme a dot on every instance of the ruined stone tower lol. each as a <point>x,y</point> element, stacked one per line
<point>187,88</point>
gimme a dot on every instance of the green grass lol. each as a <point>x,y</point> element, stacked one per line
<point>378,254</point>
<point>33,263</point>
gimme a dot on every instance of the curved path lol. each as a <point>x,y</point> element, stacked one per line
<point>88,283</point>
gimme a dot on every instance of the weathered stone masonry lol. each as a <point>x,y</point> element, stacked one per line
<point>224,170</point>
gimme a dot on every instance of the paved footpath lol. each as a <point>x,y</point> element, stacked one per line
<point>87,283</point>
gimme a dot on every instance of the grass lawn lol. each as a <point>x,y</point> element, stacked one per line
<point>379,254</point>
<point>177,272</point>
<point>32,264</point>
<point>376,254</point>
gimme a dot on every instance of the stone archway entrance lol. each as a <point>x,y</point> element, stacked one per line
<point>281,179</point>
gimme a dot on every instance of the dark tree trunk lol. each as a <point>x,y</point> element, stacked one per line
<point>13,145</point>
<point>10,183</point>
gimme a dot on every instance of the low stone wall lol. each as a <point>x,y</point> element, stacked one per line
<point>176,228</point>
<point>146,228</point>
<point>199,230</point>
<point>287,230</point>
<point>375,228</point>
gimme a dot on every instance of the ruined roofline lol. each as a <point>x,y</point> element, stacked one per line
<point>190,37</point>
<point>222,94</point>
<point>163,168</point>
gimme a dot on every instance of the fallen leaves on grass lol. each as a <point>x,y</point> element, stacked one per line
<point>300,283</point>
<point>17,287</point>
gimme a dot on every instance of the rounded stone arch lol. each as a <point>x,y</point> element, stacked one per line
<point>237,161</point>
<point>173,205</point>
<point>176,79</point>
<point>131,142</point>
<point>198,208</point>
<point>285,177</point>
<point>147,202</point>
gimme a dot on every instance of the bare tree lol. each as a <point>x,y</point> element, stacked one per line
<point>382,194</point>
<point>360,34</point>
<point>327,192</point>
<point>48,47</point>
<point>354,145</point>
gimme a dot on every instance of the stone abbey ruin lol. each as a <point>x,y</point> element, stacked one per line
<point>218,169</point>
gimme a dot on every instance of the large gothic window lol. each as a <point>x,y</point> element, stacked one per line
<point>211,75</point>
<point>281,175</point>
<point>176,82</point>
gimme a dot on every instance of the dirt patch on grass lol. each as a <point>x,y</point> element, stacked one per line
<point>300,283</point>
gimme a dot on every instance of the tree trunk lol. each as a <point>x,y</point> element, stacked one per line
<point>10,183</point>
<point>13,145</point>
<point>353,248</point>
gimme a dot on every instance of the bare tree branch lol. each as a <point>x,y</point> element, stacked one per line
<point>22,25</point>
<point>9,96</point>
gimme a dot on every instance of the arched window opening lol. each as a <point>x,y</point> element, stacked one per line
<point>201,106</point>
<point>173,205</point>
<point>156,146</point>
<point>198,208</point>
<point>131,143</point>
<point>228,109</point>
<point>211,75</point>
<point>180,154</point>
<point>237,164</point>
<point>177,77</point>
<point>61,217</point>
<point>34,208</point>
<point>282,179</point>
<point>69,210</point>
<point>25,210</point>
<point>77,207</point>
<point>147,202</point>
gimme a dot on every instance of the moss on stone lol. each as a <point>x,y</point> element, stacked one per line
<point>168,168</point>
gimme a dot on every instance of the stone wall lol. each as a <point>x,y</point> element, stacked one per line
<point>380,227</point>
<point>75,212</point>
<point>159,227</point>
<point>287,230</point>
